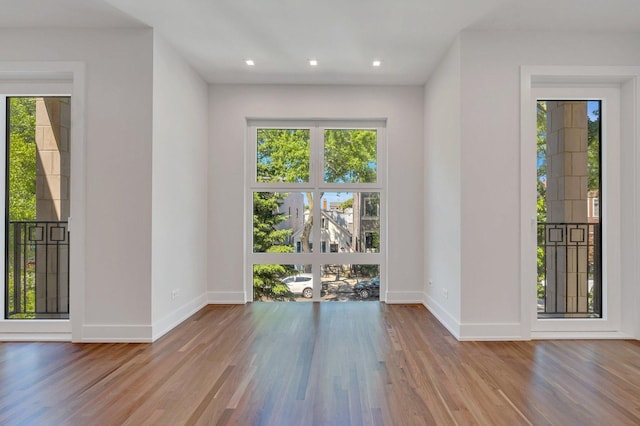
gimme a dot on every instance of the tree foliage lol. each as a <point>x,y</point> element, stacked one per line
<point>22,154</point>
<point>541,153</point>
<point>593,152</point>
<point>347,204</point>
<point>22,190</point>
<point>283,155</point>
<point>268,238</point>
<point>350,156</point>
<point>266,217</point>
<point>541,182</point>
<point>267,284</point>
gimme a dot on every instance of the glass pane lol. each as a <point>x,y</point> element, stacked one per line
<point>569,283</point>
<point>341,283</point>
<point>350,156</point>
<point>336,222</point>
<point>281,223</point>
<point>350,222</point>
<point>283,155</point>
<point>283,283</point>
<point>39,172</point>
<point>22,159</point>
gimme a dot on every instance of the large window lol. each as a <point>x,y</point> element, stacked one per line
<point>310,182</point>
<point>568,181</point>
<point>37,207</point>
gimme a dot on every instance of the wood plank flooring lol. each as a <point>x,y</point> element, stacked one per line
<point>320,364</point>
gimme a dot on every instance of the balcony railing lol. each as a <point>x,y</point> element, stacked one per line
<point>37,274</point>
<point>569,270</point>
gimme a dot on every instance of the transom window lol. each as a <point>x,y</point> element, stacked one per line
<point>315,181</point>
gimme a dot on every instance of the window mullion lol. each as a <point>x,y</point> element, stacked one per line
<point>317,146</point>
<point>317,142</point>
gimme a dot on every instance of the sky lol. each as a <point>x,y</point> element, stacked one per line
<point>592,107</point>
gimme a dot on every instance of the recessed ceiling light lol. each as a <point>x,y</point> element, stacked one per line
<point>249,62</point>
<point>313,62</point>
<point>376,63</point>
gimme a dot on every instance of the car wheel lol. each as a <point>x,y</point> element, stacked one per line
<point>307,292</point>
<point>364,293</point>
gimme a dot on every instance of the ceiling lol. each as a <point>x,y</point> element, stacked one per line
<point>345,36</point>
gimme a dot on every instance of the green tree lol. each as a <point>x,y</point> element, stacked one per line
<point>266,217</point>
<point>268,238</point>
<point>283,155</point>
<point>22,190</point>
<point>350,156</point>
<point>541,182</point>
<point>593,152</point>
<point>22,155</point>
<point>346,204</point>
<point>541,152</point>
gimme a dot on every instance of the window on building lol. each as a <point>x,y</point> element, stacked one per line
<point>371,206</point>
<point>372,241</point>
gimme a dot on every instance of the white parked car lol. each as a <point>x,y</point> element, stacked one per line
<point>300,284</point>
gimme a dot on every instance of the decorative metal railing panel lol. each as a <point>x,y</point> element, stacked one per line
<point>37,271</point>
<point>569,270</point>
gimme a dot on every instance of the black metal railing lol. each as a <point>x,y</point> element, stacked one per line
<point>569,270</point>
<point>37,272</point>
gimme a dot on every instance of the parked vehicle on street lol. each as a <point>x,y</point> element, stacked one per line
<point>300,284</point>
<point>368,288</point>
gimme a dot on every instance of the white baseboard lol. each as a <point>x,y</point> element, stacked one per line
<point>35,330</point>
<point>226,298</point>
<point>404,297</point>
<point>35,337</point>
<point>576,335</point>
<point>490,332</point>
<point>442,315</point>
<point>143,333</point>
<point>111,333</point>
<point>114,333</point>
<point>173,319</point>
<point>472,331</point>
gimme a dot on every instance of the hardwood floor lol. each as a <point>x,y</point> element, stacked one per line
<point>320,364</point>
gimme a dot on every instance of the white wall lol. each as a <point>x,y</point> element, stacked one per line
<point>442,177</point>
<point>230,105</point>
<point>490,154</point>
<point>117,199</point>
<point>179,206</point>
<point>630,216</point>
